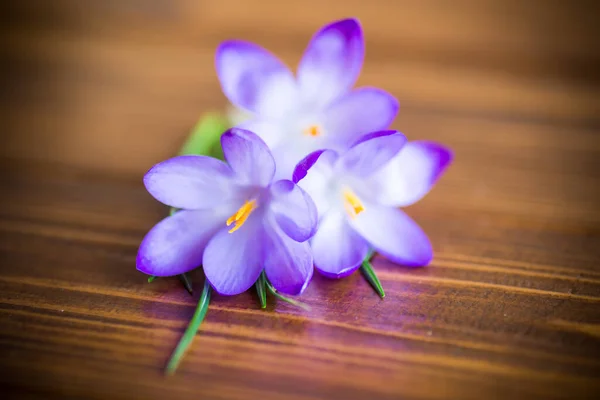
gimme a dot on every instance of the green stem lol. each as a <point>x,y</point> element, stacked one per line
<point>261,290</point>
<point>293,302</point>
<point>151,278</point>
<point>190,331</point>
<point>370,276</point>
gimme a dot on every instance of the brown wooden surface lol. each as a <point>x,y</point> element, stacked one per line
<point>94,93</point>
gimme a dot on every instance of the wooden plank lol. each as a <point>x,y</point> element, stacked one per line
<point>94,93</point>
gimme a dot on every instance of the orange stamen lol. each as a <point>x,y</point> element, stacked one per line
<point>313,130</point>
<point>241,215</point>
<point>352,204</point>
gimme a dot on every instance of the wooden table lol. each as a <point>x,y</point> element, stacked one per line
<point>94,93</point>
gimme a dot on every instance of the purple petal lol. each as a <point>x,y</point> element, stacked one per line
<point>305,164</point>
<point>357,113</point>
<point>372,152</point>
<point>294,210</point>
<point>233,261</point>
<point>190,182</point>
<point>394,234</point>
<point>287,155</point>
<point>314,175</point>
<point>332,62</point>
<point>288,264</point>
<point>337,249</point>
<point>248,156</point>
<point>411,174</point>
<point>175,245</point>
<point>254,79</point>
<point>373,135</point>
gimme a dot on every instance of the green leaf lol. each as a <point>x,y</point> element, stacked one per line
<point>205,137</point>
<point>186,282</point>
<point>151,278</point>
<point>191,330</point>
<point>261,290</point>
<point>370,276</point>
<point>293,302</point>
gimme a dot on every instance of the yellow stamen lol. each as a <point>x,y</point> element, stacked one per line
<point>241,215</point>
<point>313,130</point>
<point>352,204</point>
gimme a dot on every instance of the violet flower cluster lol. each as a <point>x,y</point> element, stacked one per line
<point>312,178</point>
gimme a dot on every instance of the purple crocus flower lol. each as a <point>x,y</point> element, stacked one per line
<point>234,219</point>
<point>357,194</point>
<point>317,108</point>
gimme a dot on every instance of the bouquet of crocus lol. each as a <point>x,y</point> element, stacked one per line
<point>308,178</point>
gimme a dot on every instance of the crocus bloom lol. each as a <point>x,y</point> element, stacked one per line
<point>317,108</point>
<point>357,194</point>
<point>234,219</point>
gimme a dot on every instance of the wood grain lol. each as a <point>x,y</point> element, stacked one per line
<point>94,93</point>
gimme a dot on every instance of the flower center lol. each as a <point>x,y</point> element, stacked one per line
<point>313,130</point>
<point>352,203</point>
<point>241,215</point>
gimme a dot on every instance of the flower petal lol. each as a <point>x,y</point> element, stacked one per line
<point>233,261</point>
<point>411,174</point>
<point>248,156</point>
<point>371,152</point>
<point>288,263</point>
<point>175,245</point>
<point>254,79</point>
<point>337,249</point>
<point>294,210</point>
<point>190,182</point>
<point>332,62</point>
<point>314,174</point>
<point>357,113</point>
<point>394,234</point>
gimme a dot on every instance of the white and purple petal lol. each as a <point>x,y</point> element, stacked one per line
<point>314,174</point>
<point>332,62</point>
<point>288,263</point>
<point>411,174</point>
<point>305,165</point>
<point>190,182</point>
<point>254,79</point>
<point>176,244</point>
<point>233,261</point>
<point>394,234</point>
<point>270,131</point>
<point>293,210</point>
<point>337,249</point>
<point>359,112</point>
<point>371,152</point>
<point>248,156</point>
<point>287,155</point>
